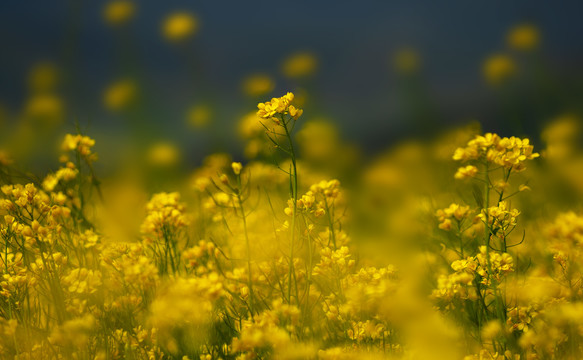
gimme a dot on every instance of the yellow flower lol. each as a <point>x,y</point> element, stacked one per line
<point>118,12</point>
<point>498,68</point>
<point>523,37</point>
<point>466,172</point>
<point>237,167</point>
<point>199,115</point>
<point>299,65</point>
<point>500,218</point>
<point>281,106</point>
<point>119,95</point>
<point>511,153</point>
<point>80,143</point>
<point>46,108</point>
<point>179,26</point>
<point>163,154</point>
<point>454,211</point>
<point>258,84</point>
<point>165,213</point>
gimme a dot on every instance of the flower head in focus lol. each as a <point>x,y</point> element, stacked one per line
<point>279,106</point>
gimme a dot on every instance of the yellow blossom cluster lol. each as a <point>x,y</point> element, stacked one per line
<point>279,107</point>
<point>82,281</point>
<point>67,173</point>
<point>500,219</point>
<point>493,266</point>
<point>466,172</point>
<point>81,144</point>
<point>510,153</point>
<point>165,215</point>
<point>454,212</point>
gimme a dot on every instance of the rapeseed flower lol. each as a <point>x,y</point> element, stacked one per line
<point>179,26</point>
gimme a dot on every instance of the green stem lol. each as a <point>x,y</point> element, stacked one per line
<point>243,216</point>
<point>294,189</point>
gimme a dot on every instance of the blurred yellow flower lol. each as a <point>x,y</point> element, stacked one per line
<point>43,77</point>
<point>299,65</point>
<point>199,115</point>
<point>319,140</point>
<point>406,61</point>
<point>163,154</point>
<point>465,172</point>
<point>561,137</point>
<point>250,126</point>
<point>47,108</point>
<point>523,37</point>
<point>5,158</point>
<point>237,167</point>
<point>118,12</point>
<point>179,26</point>
<point>258,84</point>
<point>498,68</point>
<point>119,94</point>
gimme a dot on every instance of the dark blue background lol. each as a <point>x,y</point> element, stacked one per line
<point>354,41</point>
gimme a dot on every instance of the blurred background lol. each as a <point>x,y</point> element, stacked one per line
<point>175,80</point>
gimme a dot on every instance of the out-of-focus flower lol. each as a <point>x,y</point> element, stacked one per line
<point>43,77</point>
<point>179,26</point>
<point>560,137</point>
<point>47,108</point>
<point>81,144</point>
<point>465,172</point>
<point>319,140</point>
<point>119,12</point>
<point>250,126</point>
<point>5,158</point>
<point>119,94</point>
<point>163,154</point>
<point>406,61</point>
<point>498,68</point>
<point>524,37</point>
<point>299,65</point>
<point>258,84</point>
<point>237,167</point>
<point>199,115</point>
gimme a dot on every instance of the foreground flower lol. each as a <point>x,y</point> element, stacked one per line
<point>279,106</point>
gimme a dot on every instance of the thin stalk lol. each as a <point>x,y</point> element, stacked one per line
<point>294,189</point>
<point>244,218</point>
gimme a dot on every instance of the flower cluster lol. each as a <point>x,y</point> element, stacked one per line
<point>279,107</point>
<point>81,144</point>
<point>453,212</point>
<point>510,153</point>
<point>165,215</point>
<point>500,219</point>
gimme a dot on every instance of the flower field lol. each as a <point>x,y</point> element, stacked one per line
<point>465,243</point>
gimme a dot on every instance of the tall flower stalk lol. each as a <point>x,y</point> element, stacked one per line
<point>283,116</point>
